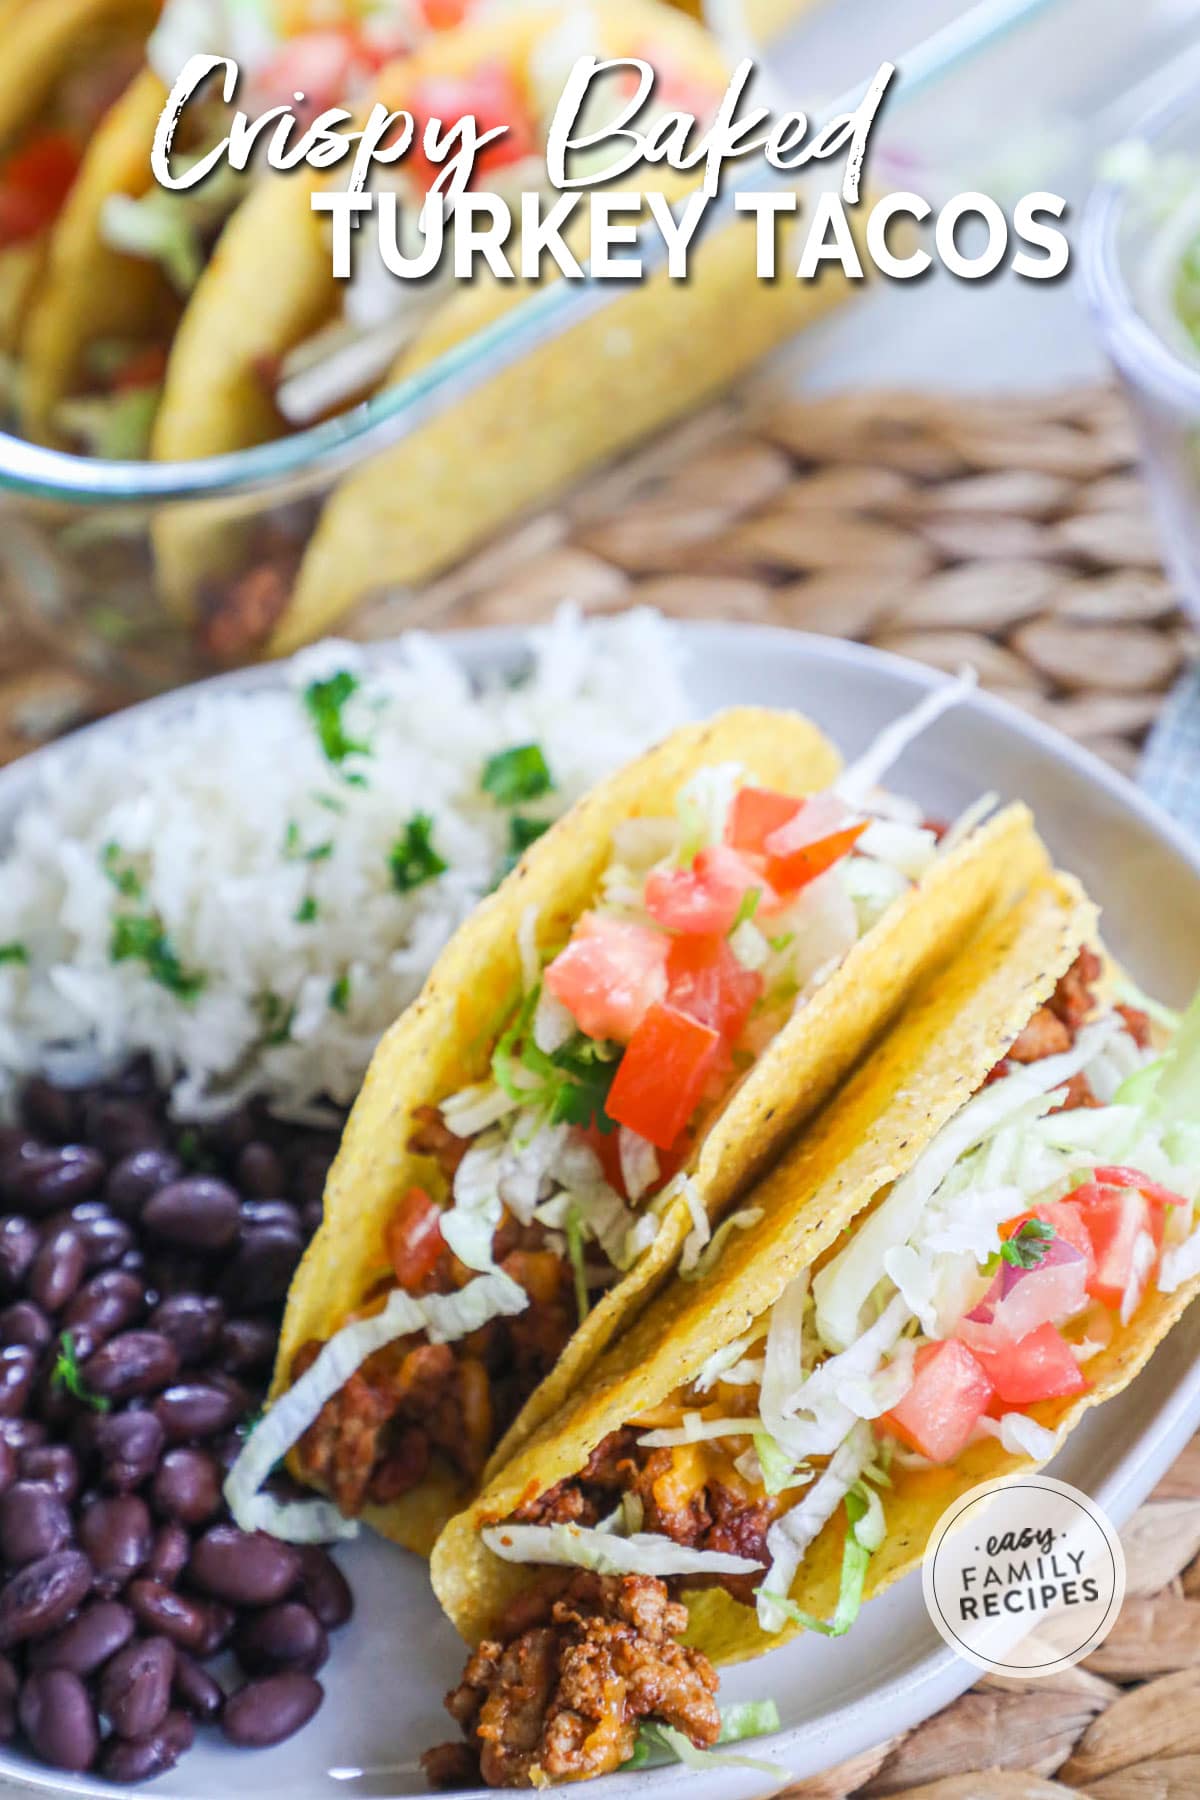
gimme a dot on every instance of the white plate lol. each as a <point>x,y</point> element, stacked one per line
<point>390,1668</point>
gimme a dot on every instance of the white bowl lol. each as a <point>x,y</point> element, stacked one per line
<point>390,1668</point>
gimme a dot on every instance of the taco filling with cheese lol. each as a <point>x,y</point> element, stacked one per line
<point>1012,1275</point>
<point>670,1023</point>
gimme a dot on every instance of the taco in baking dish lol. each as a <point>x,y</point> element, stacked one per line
<point>987,1232</point>
<point>240,373</point>
<point>63,65</point>
<point>130,257</point>
<point>673,978</point>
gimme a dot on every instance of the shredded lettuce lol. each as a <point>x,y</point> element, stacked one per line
<point>444,1318</point>
<point>584,1547</point>
<point>748,1719</point>
<point>776,1467</point>
<point>862,1540</point>
<point>573,1227</point>
<point>790,1536</point>
<point>706,1261</point>
<point>856,782</point>
<point>115,427</point>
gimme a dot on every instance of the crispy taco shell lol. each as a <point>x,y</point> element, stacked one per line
<point>934,1059</point>
<point>446,1040</point>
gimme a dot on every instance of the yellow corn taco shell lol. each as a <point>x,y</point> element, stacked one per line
<point>44,44</point>
<point>447,1038</point>
<point>527,431</point>
<point>939,1053</point>
<point>89,291</point>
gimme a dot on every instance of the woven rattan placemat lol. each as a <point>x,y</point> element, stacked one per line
<point>1011,532</point>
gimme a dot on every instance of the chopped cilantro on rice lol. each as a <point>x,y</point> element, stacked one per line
<point>252,890</point>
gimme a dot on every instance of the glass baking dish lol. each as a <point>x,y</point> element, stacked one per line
<point>128,567</point>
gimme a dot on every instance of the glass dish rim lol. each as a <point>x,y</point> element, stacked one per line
<point>1138,349</point>
<point>34,472</point>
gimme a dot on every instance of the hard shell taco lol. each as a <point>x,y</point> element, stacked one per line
<point>63,66</point>
<point>621,1038</point>
<point>129,256</point>
<point>987,1232</point>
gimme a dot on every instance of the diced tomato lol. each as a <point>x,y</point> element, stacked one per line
<point>1154,1191</point>
<point>819,835</point>
<point>145,367</point>
<point>661,1076</point>
<point>941,1409</point>
<point>34,183</point>
<point>1066,1220</point>
<point>609,973</point>
<point>492,96</point>
<point>414,1240</point>
<point>704,899</point>
<point>706,981</point>
<point>442,15</point>
<point>1039,1366</point>
<point>755,814</point>
<point>607,1146</point>
<point>1126,1230</point>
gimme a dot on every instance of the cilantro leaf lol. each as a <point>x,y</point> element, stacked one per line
<point>276,1019</point>
<point>140,937</point>
<point>325,702</point>
<point>66,1374</point>
<point>521,773</point>
<point>585,1072</point>
<point>339,994</point>
<point>121,872</point>
<point>1027,1248</point>
<point>14,953</point>
<point>413,859</point>
<point>747,909</point>
<point>307,911</point>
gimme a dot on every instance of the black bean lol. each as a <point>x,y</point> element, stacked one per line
<point>18,1364</point>
<point>130,1760</point>
<point>58,1268</point>
<point>58,1718</point>
<point>192,1322</point>
<point>25,1323</point>
<point>19,1242</point>
<point>246,1344</point>
<point>135,1362</point>
<point>9,1465</point>
<point>196,1690</point>
<point>260,1171</point>
<point>257,1213</point>
<point>106,1304</point>
<point>160,1609</point>
<point>187,1487</point>
<point>54,1112</point>
<point>324,1588</point>
<point>245,1568</point>
<point>310,1173</point>
<point>120,1126</point>
<point>39,1598</point>
<point>128,1445</point>
<point>21,1434</point>
<point>219,1623</point>
<point>139,1176</point>
<point>105,1237</point>
<point>135,1688</point>
<point>197,1213</point>
<point>170,1272</point>
<point>51,1179</point>
<point>100,1630</point>
<point>189,1410</point>
<point>261,1270</point>
<point>53,1463</point>
<point>34,1522</point>
<point>9,1684</point>
<point>117,1534</point>
<point>266,1712</point>
<point>312,1215</point>
<point>229,1136</point>
<point>168,1554</point>
<point>287,1636</point>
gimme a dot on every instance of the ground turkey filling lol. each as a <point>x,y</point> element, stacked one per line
<point>373,1441</point>
<point>559,1694</point>
<point>534,1705</point>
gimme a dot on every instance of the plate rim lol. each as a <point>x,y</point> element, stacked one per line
<point>933,1680</point>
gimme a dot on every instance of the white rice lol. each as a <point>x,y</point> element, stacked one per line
<point>200,806</point>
